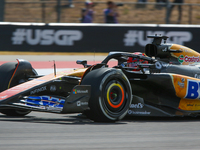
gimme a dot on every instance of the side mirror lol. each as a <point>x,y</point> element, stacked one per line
<point>83,62</point>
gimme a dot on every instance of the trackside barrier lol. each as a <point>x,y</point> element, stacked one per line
<point>68,37</point>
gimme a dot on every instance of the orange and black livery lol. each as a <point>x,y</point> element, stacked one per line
<point>167,84</point>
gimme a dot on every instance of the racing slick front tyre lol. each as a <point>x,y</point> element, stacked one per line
<point>6,72</point>
<point>14,112</point>
<point>111,94</point>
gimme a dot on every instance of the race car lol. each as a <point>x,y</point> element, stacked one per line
<point>166,84</point>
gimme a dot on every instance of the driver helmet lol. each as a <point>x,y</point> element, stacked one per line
<point>133,62</point>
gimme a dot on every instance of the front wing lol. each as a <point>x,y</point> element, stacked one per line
<point>60,94</point>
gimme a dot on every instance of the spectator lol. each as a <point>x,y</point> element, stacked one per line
<point>111,13</point>
<point>87,13</point>
<point>179,10</point>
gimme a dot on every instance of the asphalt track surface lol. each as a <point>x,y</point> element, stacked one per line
<point>46,131</point>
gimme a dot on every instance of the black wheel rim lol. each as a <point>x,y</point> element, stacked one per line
<point>114,97</point>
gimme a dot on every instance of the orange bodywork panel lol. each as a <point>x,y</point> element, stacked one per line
<point>188,89</point>
<point>27,85</point>
<point>187,56</point>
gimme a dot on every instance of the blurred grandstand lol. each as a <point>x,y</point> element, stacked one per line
<point>132,11</point>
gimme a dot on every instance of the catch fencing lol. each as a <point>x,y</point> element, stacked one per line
<point>131,12</point>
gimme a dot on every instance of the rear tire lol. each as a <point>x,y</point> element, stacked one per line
<point>111,94</point>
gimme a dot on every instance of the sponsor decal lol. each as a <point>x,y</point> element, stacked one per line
<point>190,105</point>
<point>45,37</point>
<point>44,88</point>
<point>182,83</point>
<point>82,91</point>
<point>46,102</point>
<point>182,59</point>
<point>192,89</point>
<point>2,97</point>
<point>79,103</point>
<point>46,99</point>
<point>191,59</point>
<point>158,65</point>
<point>52,88</point>
<point>182,79</point>
<point>130,112</point>
<point>139,105</point>
<point>186,87</point>
<point>133,37</point>
<point>75,91</point>
<point>165,49</point>
<point>197,76</point>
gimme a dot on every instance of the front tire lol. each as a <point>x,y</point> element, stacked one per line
<point>15,112</point>
<point>111,94</point>
<point>6,72</point>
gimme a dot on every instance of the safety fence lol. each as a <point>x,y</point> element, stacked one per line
<point>131,12</point>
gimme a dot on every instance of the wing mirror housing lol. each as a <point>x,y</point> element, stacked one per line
<point>83,62</point>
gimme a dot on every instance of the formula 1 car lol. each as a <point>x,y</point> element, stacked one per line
<point>167,85</point>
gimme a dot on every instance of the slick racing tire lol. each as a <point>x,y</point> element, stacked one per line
<point>15,112</point>
<point>6,72</point>
<point>111,94</point>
